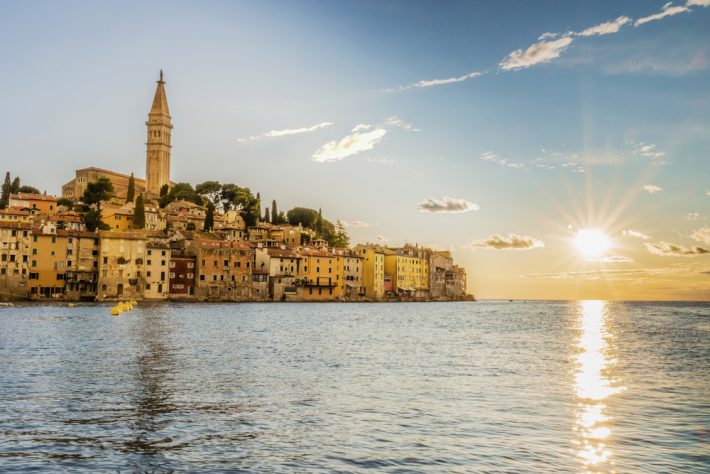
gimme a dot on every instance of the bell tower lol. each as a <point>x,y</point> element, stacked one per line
<point>160,126</point>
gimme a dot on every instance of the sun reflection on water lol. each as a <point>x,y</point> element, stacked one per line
<point>593,387</point>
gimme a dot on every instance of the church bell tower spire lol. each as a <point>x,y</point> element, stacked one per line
<point>160,125</point>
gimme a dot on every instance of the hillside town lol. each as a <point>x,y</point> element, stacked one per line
<point>113,236</point>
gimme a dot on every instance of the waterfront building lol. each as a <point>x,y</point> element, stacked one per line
<point>351,281</point>
<point>373,270</point>
<point>81,276</point>
<point>15,240</point>
<point>33,203</point>
<point>48,260</point>
<point>440,264</point>
<point>318,274</point>
<point>224,269</point>
<point>281,264</point>
<point>122,265</point>
<point>157,268</point>
<point>408,267</point>
<point>456,283</point>
<point>181,275</point>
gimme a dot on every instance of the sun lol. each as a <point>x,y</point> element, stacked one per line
<point>591,243</point>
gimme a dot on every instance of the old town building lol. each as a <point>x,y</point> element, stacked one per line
<point>224,269</point>
<point>122,265</point>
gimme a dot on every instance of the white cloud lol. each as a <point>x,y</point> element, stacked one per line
<point>664,249</point>
<point>651,188</point>
<point>492,157</point>
<point>355,224</point>
<point>287,131</point>
<point>352,144</point>
<point>707,193</point>
<point>702,235</point>
<point>509,242</point>
<point>636,234</point>
<point>666,10</point>
<point>540,52</point>
<point>447,205</point>
<point>361,127</point>
<point>697,3</point>
<point>395,121</point>
<point>647,150</point>
<point>692,216</point>
<point>381,161</point>
<point>605,28</point>
<point>450,80</point>
<point>382,239</point>
<point>615,259</point>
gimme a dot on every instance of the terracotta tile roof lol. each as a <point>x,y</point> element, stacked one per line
<point>15,212</point>
<point>102,170</point>
<point>32,197</point>
<point>14,225</point>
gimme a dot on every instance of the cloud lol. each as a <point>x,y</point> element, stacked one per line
<point>651,188</point>
<point>666,10</point>
<point>352,144</point>
<point>605,28</point>
<point>589,275</point>
<point>492,157</point>
<point>381,161</point>
<point>509,242</point>
<point>395,121</point>
<point>615,259</point>
<point>382,239</point>
<point>287,131</point>
<point>636,234</point>
<point>447,205</point>
<point>665,249</point>
<point>692,216</point>
<point>702,235</point>
<point>707,193</point>
<point>355,224</point>
<point>361,127</point>
<point>450,80</point>
<point>540,52</point>
<point>647,150</point>
<point>697,3</point>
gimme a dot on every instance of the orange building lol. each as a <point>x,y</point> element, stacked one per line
<point>319,275</point>
<point>34,203</point>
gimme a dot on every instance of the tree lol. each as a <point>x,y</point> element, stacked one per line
<point>303,216</point>
<point>211,191</point>
<point>15,186</point>
<point>97,191</point>
<point>266,215</point>
<point>68,203</point>
<point>241,199</point>
<point>190,226</point>
<point>282,218</point>
<point>340,239</point>
<point>139,213</point>
<point>29,190</point>
<point>164,190</point>
<point>274,213</point>
<point>258,199</point>
<point>5,197</point>
<point>209,217</point>
<point>180,192</point>
<point>92,220</point>
<point>319,223</point>
<point>131,193</point>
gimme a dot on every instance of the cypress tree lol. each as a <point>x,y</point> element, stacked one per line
<point>319,223</point>
<point>5,198</point>
<point>15,186</point>
<point>258,206</point>
<point>274,213</point>
<point>266,215</point>
<point>131,193</point>
<point>139,213</point>
<point>209,217</point>
<point>164,190</point>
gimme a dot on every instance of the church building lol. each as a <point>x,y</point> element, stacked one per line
<point>157,161</point>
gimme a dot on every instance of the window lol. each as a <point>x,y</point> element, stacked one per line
<point>172,265</point>
<point>189,264</point>
<point>34,251</point>
<point>150,252</point>
<point>172,275</point>
<point>34,263</point>
<point>163,253</point>
<point>149,262</point>
<point>202,278</point>
<point>190,275</point>
<point>162,263</point>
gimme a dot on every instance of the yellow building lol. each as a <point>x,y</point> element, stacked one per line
<point>15,215</point>
<point>15,244</point>
<point>48,259</point>
<point>82,265</point>
<point>373,270</point>
<point>319,276</point>
<point>409,268</point>
<point>122,265</point>
<point>157,270</point>
<point>118,217</point>
<point>351,277</point>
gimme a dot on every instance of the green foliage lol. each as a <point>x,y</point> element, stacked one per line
<point>209,217</point>
<point>15,186</point>
<point>131,192</point>
<point>29,190</point>
<point>302,215</point>
<point>266,215</point>
<point>211,191</point>
<point>236,197</point>
<point>92,220</point>
<point>164,190</point>
<point>274,213</point>
<point>191,226</point>
<point>340,239</point>
<point>258,203</point>
<point>282,218</point>
<point>97,191</point>
<point>5,197</point>
<point>319,223</point>
<point>68,203</point>
<point>180,192</point>
<point>139,213</point>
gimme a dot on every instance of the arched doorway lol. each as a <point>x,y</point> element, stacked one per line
<point>119,289</point>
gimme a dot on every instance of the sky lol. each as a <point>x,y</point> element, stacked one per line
<point>496,130</point>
